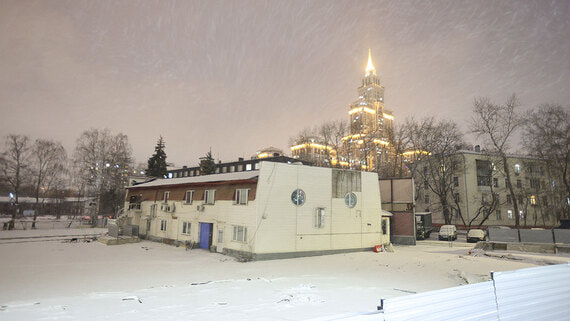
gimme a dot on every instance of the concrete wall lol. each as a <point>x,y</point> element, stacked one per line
<point>283,227</point>
<point>536,236</point>
<point>562,236</point>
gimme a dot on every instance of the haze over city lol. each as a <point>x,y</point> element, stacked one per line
<point>240,76</point>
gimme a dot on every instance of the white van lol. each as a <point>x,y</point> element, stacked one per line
<point>448,232</point>
<point>475,235</point>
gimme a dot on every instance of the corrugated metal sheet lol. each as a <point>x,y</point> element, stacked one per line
<point>467,302</point>
<point>541,293</point>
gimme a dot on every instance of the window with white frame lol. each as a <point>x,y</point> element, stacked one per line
<point>209,196</point>
<point>188,196</point>
<point>256,166</point>
<point>241,196</point>
<point>163,225</point>
<point>240,234</point>
<point>220,236</point>
<point>165,197</point>
<point>517,169</point>
<point>247,167</point>
<point>510,214</point>
<point>320,217</point>
<point>186,228</point>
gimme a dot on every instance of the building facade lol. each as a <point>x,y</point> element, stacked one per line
<point>367,144</point>
<point>479,192</point>
<point>280,210</point>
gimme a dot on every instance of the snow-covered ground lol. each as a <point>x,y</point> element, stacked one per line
<point>56,280</point>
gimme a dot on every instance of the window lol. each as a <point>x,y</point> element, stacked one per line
<point>545,200</point>
<point>240,234</point>
<point>484,170</point>
<point>188,197</point>
<point>232,168</point>
<point>425,171</point>
<point>165,197</point>
<point>186,228</point>
<point>455,181</point>
<point>224,169</point>
<point>519,183</point>
<point>153,210</point>
<point>517,169</point>
<point>209,196</point>
<point>247,167</point>
<point>298,197</point>
<point>534,183</point>
<point>520,201</point>
<point>426,185</point>
<point>241,196</point>
<point>456,197</point>
<point>240,168</point>
<point>498,212</point>
<point>426,198</point>
<point>533,200</point>
<point>256,165</point>
<point>495,182</point>
<point>320,217</point>
<point>163,225</point>
<point>484,198</point>
<point>350,200</point>
<point>220,236</point>
<point>521,214</point>
<point>509,199</point>
<point>507,185</point>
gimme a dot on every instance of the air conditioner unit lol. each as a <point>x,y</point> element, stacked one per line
<point>200,208</point>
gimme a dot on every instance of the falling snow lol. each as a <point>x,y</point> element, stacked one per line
<point>238,76</point>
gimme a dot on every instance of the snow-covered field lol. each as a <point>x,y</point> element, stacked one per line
<point>55,280</point>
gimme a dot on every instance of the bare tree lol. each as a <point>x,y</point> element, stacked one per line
<point>437,163</point>
<point>47,168</point>
<point>398,140</point>
<point>13,166</point>
<point>497,124</point>
<point>331,134</point>
<point>102,161</point>
<point>547,136</point>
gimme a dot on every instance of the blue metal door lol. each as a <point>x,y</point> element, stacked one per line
<point>205,235</point>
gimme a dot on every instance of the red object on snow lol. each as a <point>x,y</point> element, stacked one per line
<point>378,248</point>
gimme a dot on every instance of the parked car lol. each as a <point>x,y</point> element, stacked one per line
<point>475,235</point>
<point>448,232</point>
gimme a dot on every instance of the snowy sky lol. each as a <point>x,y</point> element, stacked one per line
<point>238,76</point>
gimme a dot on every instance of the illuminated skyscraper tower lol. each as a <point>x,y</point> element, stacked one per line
<point>367,144</point>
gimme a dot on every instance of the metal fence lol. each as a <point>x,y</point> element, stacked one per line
<point>540,293</point>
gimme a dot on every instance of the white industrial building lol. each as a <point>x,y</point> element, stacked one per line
<point>278,211</point>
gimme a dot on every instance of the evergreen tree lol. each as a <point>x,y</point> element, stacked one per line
<point>157,162</point>
<point>207,164</point>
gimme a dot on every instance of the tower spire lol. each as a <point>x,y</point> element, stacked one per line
<point>370,67</point>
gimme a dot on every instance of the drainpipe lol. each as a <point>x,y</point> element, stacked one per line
<point>465,183</point>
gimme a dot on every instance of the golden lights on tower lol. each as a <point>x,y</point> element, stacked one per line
<point>370,67</point>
